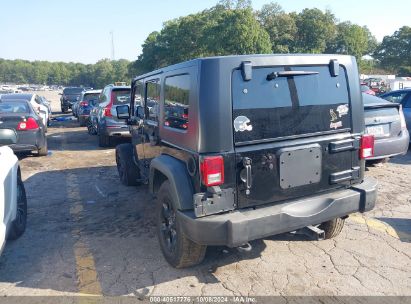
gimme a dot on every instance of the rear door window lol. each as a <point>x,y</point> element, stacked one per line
<point>152,100</point>
<point>289,106</point>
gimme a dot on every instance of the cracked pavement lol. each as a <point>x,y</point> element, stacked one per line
<point>120,255</point>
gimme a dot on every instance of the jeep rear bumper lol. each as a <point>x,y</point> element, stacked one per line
<point>238,227</point>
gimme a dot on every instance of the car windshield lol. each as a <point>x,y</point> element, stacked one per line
<point>70,91</point>
<point>14,107</point>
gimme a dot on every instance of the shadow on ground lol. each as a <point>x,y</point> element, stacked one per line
<point>116,222</point>
<point>402,227</point>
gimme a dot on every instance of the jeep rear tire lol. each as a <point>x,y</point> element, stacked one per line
<point>332,228</point>
<point>178,250</point>
<point>18,226</point>
<point>128,171</point>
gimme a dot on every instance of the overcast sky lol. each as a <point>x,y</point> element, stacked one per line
<point>79,30</point>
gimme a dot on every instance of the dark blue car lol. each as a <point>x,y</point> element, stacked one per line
<point>404,98</point>
<point>88,100</point>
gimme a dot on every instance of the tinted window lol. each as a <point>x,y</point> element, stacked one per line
<point>176,97</point>
<point>91,97</point>
<point>72,91</point>
<point>152,100</point>
<point>394,97</point>
<point>14,107</point>
<point>139,94</point>
<point>289,106</point>
<point>121,96</point>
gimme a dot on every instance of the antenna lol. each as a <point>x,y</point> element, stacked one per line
<point>112,45</point>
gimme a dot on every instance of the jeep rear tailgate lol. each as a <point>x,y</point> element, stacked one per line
<point>292,133</point>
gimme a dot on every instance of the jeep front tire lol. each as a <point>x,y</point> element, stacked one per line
<point>128,171</point>
<point>178,250</point>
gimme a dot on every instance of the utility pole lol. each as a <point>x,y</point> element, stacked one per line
<point>112,45</point>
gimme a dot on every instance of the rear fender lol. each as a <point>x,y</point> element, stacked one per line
<point>169,168</point>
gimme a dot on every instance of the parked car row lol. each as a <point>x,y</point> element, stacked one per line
<point>96,109</point>
<point>13,201</point>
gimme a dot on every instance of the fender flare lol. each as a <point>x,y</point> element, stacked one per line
<point>176,173</point>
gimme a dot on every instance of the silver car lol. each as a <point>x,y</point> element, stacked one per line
<point>385,120</point>
<point>108,125</point>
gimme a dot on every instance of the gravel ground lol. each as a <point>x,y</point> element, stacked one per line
<point>88,234</point>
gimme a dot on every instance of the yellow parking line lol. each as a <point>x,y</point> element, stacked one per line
<point>87,279</point>
<point>374,224</point>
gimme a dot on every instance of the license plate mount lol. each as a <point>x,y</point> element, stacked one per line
<point>300,166</point>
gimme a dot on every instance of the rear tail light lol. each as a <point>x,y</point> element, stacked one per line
<point>27,124</point>
<point>84,104</point>
<point>212,170</point>
<point>367,146</point>
<point>107,110</point>
<point>402,119</point>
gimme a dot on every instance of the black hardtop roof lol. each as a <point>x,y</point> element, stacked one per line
<point>240,58</point>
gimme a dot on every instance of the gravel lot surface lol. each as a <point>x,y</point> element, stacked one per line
<point>88,234</point>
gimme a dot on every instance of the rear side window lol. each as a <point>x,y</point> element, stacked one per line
<point>121,97</point>
<point>265,108</point>
<point>176,101</point>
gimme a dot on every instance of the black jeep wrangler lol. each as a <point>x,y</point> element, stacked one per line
<point>243,147</point>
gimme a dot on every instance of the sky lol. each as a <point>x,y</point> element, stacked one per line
<point>79,30</point>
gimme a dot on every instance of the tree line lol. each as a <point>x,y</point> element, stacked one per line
<point>230,27</point>
<point>68,74</point>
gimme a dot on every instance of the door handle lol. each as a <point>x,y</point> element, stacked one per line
<point>247,179</point>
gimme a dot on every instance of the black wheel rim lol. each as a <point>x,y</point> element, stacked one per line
<point>21,206</point>
<point>168,226</point>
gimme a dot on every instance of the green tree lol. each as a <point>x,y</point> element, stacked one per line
<point>280,26</point>
<point>353,39</point>
<point>314,30</point>
<point>394,53</point>
<point>217,31</point>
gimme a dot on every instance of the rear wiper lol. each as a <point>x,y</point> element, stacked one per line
<point>274,75</point>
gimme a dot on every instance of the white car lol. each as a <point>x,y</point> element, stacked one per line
<point>13,201</point>
<point>35,101</point>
